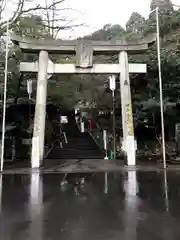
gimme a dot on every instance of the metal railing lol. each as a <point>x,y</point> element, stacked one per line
<point>97,135</point>
<point>65,137</point>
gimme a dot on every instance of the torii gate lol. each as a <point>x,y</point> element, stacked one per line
<point>84,50</point>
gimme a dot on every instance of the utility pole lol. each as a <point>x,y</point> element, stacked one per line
<point>5,95</point>
<point>112,85</point>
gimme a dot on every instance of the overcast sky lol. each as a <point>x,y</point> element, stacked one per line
<point>97,13</point>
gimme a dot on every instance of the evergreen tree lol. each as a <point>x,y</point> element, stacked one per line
<point>135,23</point>
<point>164,5</point>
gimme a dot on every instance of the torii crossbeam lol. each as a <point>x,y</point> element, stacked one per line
<point>84,51</point>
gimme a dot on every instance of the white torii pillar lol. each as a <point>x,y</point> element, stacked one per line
<point>129,143</point>
<point>37,153</point>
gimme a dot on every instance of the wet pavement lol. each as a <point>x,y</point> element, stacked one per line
<point>129,205</point>
<point>60,166</point>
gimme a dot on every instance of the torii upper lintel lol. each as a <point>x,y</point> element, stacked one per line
<point>29,45</point>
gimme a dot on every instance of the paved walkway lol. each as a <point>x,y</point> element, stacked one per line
<point>113,206</point>
<point>94,165</point>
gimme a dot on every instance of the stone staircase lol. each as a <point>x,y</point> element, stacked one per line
<point>80,146</point>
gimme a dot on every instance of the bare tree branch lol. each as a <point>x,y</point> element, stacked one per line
<point>65,27</point>
<point>39,7</point>
<point>2,7</point>
<point>16,14</point>
<point>51,13</point>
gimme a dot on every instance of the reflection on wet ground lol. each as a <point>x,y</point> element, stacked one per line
<point>104,206</point>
